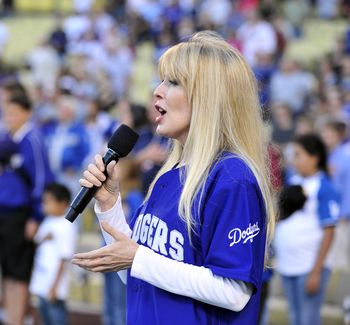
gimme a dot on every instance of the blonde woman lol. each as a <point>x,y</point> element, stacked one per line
<point>197,246</point>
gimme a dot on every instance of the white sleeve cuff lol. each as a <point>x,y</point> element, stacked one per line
<point>196,282</point>
<point>114,217</point>
<point>109,213</point>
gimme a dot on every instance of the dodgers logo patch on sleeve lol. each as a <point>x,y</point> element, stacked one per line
<point>236,235</point>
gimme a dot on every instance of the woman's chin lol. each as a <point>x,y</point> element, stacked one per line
<point>160,131</point>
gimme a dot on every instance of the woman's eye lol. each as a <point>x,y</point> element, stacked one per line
<point>169,82</point>
<point>173,82</point>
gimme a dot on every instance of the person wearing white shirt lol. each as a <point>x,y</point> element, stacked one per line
<point>303,241</point>
<point>56,243</point>
<point>257,37</point>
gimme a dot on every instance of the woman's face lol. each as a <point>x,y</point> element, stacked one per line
<point>304,163</point>
<point>173,120</point>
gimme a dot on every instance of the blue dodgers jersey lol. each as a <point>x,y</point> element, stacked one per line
<point>229,239</point>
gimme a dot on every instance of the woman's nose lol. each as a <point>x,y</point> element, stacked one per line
<point>159,91</point>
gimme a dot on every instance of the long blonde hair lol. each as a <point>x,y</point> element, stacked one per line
<point>226,116</point>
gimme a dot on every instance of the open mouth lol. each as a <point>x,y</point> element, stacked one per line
<point>160,110</point>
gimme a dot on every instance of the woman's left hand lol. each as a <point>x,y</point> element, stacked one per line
<point>312,284</point>
<point>114,257</point>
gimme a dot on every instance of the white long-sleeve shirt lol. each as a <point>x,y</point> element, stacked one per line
<point>196,282</point>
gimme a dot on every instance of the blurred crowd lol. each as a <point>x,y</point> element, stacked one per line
<point>74,90</point>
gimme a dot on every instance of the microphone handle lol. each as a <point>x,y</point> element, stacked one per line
<point>85,194</point>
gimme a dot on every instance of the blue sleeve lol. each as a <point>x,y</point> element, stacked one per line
<point>85,145</point>
<point>345,195</point>
<point>75,152</point>
<point>328,204</point>
<point>35,165</point>
<point>233,230</point>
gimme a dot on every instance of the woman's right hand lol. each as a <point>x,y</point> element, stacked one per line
<point>108,191</point>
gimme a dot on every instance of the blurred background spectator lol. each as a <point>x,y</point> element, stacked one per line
<point>24,172</point>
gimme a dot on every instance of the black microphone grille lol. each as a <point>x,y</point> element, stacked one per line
<point>123,140</point>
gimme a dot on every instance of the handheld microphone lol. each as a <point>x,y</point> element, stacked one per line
<point>119,145</point>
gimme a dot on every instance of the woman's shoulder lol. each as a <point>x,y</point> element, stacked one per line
<point>231,168</point>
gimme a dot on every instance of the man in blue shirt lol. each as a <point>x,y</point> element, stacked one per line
<point>23,176</point>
